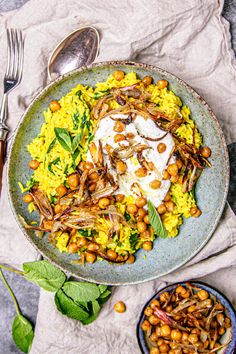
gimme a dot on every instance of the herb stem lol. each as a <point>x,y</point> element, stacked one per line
<point>19,272</point>
<point>11,292</point>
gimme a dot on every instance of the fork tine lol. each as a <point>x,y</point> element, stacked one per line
<point>21,52</point>
<point>16,54</point>
<point>12,53</point>
<point>8,53</point>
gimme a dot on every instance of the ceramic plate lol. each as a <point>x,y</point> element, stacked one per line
<point>167,254</point>
<point>230,312</point>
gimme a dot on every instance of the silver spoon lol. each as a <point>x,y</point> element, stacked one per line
<point>79,48</point>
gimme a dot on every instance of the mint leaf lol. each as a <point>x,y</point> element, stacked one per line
<point>69,308</point>
<point>94,313</point>
<point>155,221</point>
<point>54,162</point>
<point>104,297</point>
<point>63,138</point>
<point>102,288</point>
<point>81,291</point>
<point>51,145</point>
<point>22,333</point>
<point>75,119</point>
<point>75,142</point>
<point>44,274</point>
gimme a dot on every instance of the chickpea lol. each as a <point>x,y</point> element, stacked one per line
<point>167,197</point>
<point>118,75</point>
<point>48,224</point>
<point>161,209</point>
<point>161,147</point>
<point>197,214</point>
<point>119,137</point>
<point>54,105</point>
<point>103,203</point>
<point>162,84</point>
<point>73,247</point>
<point>147,245</point>
<point>158,331</point>
<point>185,337</point>
<point>172,169</point>
<point>227,322</point>
<point>191,308</point>
<point>120,307</point>
<point>205,151</point>
<point>155,303</point>
<point>203,295</point>
<point>119,127</point>
<point>82,242</point>
<point>160,341</point>
<point>92,247</point>
<point>174,179</point>
<point>131,259</point>
<point>186,295</point>
<point>145,234</point>
<point>170,205</point>
<point>119,197</point>
<point>155,184</point>
<point>90,257</point>
<point>166,175</point>
<point>179,163</point>
<point>193,211</point>
<point>141,202</point>
<point>57,208</point>
<point>146,219</point>
<point>180,289</point>
<point>151,166</point>
<point>154,320</point>
<point>193,338</point>
<point>88,165</point>
<point>219,306</point>
<point>73,180</point>
<point>130,135</point>
<point>92,187</point>
<point>93,176</point>
<point>112,254</point>
<point>165,331</point>
<point>153,337</point>
<point>221,331</point>
<point>147,80</point>
<point>148,311</point>
<point>61,190</point>
<point>169,308</point>
<point>164,296</point>
<point>141,226</point>
<point>154,350</point>
<point>176,335</point>
<point>141,213</point>
<point>28,198</point>
<point>141,172</point>
<point>145,325</point>
<point>220,317</point>
<point>164,348</point>
<point>132,208</point>
<point>33,164</point>
<point>121,167</point>
<point>206,344</point>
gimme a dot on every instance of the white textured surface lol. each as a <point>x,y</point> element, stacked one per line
<point>187,38</point>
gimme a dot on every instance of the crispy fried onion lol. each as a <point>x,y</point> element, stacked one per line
<point>42,202</point>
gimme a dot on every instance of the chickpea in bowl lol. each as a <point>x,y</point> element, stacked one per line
<point>187,318</point>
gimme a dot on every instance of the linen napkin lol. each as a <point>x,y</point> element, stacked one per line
<point>189,39</point>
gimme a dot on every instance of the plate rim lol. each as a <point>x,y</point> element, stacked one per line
<point>114,64</point>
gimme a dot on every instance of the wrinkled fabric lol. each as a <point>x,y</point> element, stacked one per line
<point>189,39</point>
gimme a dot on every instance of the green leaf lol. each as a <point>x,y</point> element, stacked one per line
<point>155,221</point>
<point>51,145</point>
<point>81,291</point>
<point>63,138</point>
<point>69,308</point>
<point>44,274</point>
<point>84,118</point>
<point>104,297</point>
<point>22,333</point>
<point>75,119</point>
<point>94,313</point>
<point>75,142</point>
<point>134,237</point>
<point>102,288</point>
<point>54,162</point>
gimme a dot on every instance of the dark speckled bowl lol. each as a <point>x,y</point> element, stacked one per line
<point>229,310</point>
<point>168,254</point>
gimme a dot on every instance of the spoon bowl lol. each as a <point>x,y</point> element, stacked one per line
<point>79,48</point>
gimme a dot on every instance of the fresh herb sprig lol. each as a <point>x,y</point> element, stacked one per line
<point>155,221</point>
<point>81,301</point>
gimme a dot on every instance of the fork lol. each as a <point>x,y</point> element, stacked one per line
<point>12,79</point>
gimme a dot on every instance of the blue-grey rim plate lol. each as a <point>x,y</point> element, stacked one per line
<point>229,310</point>
<point>167,254</point>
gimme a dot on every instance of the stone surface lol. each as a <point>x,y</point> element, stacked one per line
<point>27,293</point>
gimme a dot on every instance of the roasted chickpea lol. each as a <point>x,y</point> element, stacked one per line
<point>176,335</point>
<point>169,308</point>
<point>153,337</point>
<point>141,214</point>
<point>158,331</point>
<point>48,224</point>
<point>141,172</point>
<point>180,289</point>
<point>197,214</point>
<point>174,179</point>
<point>193,338</point>
<point>155,303</point>
<point>167,197</point>
<point>82,242</point>
<point>170,205</point>
<point>118,75</point>
<point>154,320</point>
<point>162,84</point>
<point>191,308</point>
<point>130,135</point>
<point>147,245</point>
<point>57,208</point>
<point>205,151</point>
<point>186,295</point>
<point>61,190</point>
<point>54,105</point>
<point>227,322</point>
<point>185,337</point>
<point>140,202</point>
<point>146,219</point>
<point>179,163</point>
<point>219,306</point>
<point>147,80</point>
<point>221,331</point>
<point>93,176</point>
<point>154,350</point>
<point>141,226</point>
<point>119,197</point>
<point>121,167</point>
<point>166,175</point>
<point>132,208</point>
<point>103,203</point>
<point>172,169</point>
<point>131,259</point>
<point>73,247</point>
<point>145,234</point>
<point>33,164</point>
<point>119,137</point>
<point>119,127</point>
<point>165,331</point>
<point>164,296</point>
<point>155,184</point>
<point>193,211</point>
<point>164,348</point>
<point>161,209</point>
<point>88,165</point>
<point>112,254</point>
<point>145,325</point>
<point>120,307</point>
<point>148,311</point>
<point>92,187</point>
<point>93,247</point>
<point>73,180</point>
<point>203,295</point>
<point>161,147</point>
<point>90,257</point>
<point>28,198</point>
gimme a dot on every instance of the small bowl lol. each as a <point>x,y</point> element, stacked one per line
<point>230,312</point>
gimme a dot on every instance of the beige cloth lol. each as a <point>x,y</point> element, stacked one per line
<point>190,39</point>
